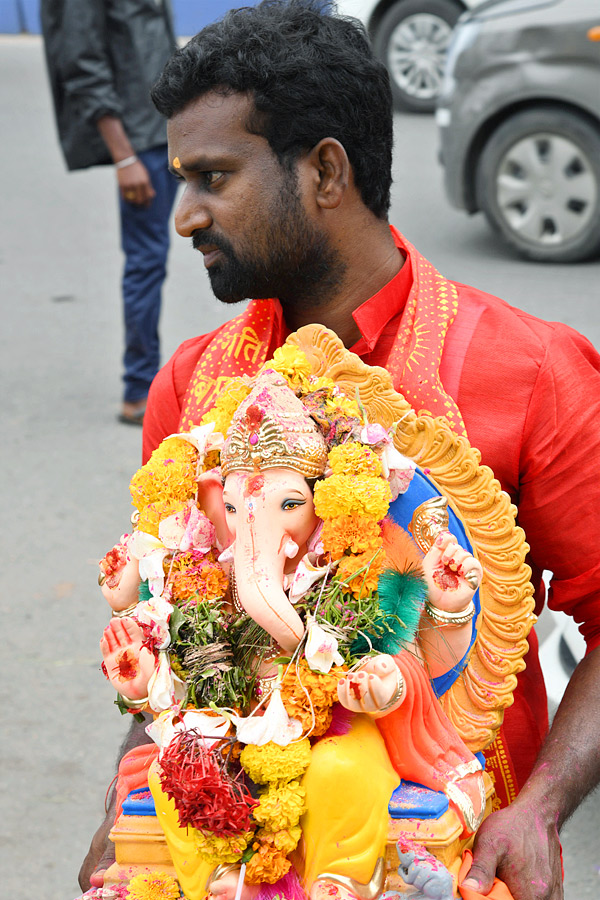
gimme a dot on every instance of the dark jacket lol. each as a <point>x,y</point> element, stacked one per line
<point>103,56</point>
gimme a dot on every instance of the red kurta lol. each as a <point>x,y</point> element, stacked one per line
<point>529,395</point>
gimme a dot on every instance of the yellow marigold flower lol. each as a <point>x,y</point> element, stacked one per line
<point>359,534</point>
<point>363,582</point>
<point>235,391</point>
<point>153,886</point>
<point>292,363</point>
<point>218,850</point>
<point>354,459</point>
<point>169,474</point>
<point>344,495</point>
<point>270,762</point>
<point>344,405</point>
<point>152,515</point>
<point>280,806</point>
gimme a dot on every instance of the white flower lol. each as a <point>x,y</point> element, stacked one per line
<point>321,650</point>
<point>156,612</point>
<point>163,729</point>
<point>151,553</point>
<point>165,689</point>
<point>275,725</point>
<point>398,470</point>
<point>304,577</point>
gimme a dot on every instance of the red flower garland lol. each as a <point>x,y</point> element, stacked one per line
<point>205,796</point>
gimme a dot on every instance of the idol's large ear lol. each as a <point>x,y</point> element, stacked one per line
<point>330,172</point>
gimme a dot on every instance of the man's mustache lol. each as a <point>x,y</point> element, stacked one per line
<point>207,238</point>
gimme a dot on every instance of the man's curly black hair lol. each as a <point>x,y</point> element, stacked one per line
<point>311,75</point>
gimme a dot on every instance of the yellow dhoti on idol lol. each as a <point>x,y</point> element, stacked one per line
<point>348,787</point>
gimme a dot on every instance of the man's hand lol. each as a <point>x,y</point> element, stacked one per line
<point>520,846</point>
<point>99,857</point>
<point>135,185</point>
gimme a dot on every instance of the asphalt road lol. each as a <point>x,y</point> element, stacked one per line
<point>66,462</point>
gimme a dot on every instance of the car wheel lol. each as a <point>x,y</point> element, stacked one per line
<point>538,183</point>
<point>411,40</point>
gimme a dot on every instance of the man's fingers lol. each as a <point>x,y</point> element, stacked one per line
<point>480,876</point>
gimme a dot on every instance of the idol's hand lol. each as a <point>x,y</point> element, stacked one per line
<point>452,574</point>
<point>376,688</point>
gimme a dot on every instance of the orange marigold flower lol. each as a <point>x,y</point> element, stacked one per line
<point>268,864</point>
<point>361,572</point>
<point>195,574</point>
<point>322,689</point>
<point>359,534</point>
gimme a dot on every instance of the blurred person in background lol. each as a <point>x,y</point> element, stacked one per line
<point>103,57</point>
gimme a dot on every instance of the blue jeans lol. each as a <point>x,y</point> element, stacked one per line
<point>145,242</point>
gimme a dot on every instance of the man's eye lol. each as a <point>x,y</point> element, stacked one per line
<point>211,178</point>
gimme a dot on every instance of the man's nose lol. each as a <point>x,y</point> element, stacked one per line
<point>191,214</point>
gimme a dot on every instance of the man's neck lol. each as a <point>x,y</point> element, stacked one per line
<point>371,261</point>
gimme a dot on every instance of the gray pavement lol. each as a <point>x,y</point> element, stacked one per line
<point>66,463</point>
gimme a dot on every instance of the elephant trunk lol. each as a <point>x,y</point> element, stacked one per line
<point>259,575</point>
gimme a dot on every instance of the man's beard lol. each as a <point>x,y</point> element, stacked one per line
<point>290,260</point>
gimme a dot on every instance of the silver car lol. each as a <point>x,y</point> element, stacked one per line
<point>411,38</point>
<point>519,119</point>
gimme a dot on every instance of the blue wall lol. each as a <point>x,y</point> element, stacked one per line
<point>190,15</point>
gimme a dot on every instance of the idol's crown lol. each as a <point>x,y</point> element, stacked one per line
<point>272,429</point>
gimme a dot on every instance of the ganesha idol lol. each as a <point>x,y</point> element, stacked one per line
<point>291,639</point>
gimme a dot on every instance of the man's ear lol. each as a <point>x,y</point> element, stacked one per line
<point>331,172</point>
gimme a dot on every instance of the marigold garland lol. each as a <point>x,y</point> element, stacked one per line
<point>280,806</point>
<point>357,534</point>
<point>196,575</point>
<point>217,850</point>
<point>268,864</point>
<point>309,696</point>
<point>355,458</point>
<point>169,474</point>
<point>271,763</point>
<point>153,886</point>
<point>361,572</point>
<point>153,514</point>
<point>344,495</point>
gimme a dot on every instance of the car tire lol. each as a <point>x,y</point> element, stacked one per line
<point>538,183</point>
<point>411,41</point>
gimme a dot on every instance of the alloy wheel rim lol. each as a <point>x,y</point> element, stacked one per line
<point>416,54</point>
<point>546,190</point>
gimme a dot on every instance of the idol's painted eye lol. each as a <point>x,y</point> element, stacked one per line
<point>229,508</point>
<point>292,504</point>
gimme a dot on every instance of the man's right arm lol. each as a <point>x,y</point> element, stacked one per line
<point>101,854</point>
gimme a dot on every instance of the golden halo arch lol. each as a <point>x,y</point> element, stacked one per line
<point>476,701</point>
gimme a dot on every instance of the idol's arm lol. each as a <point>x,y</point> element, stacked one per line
<point>102,851</point>
<point>520,843</point>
